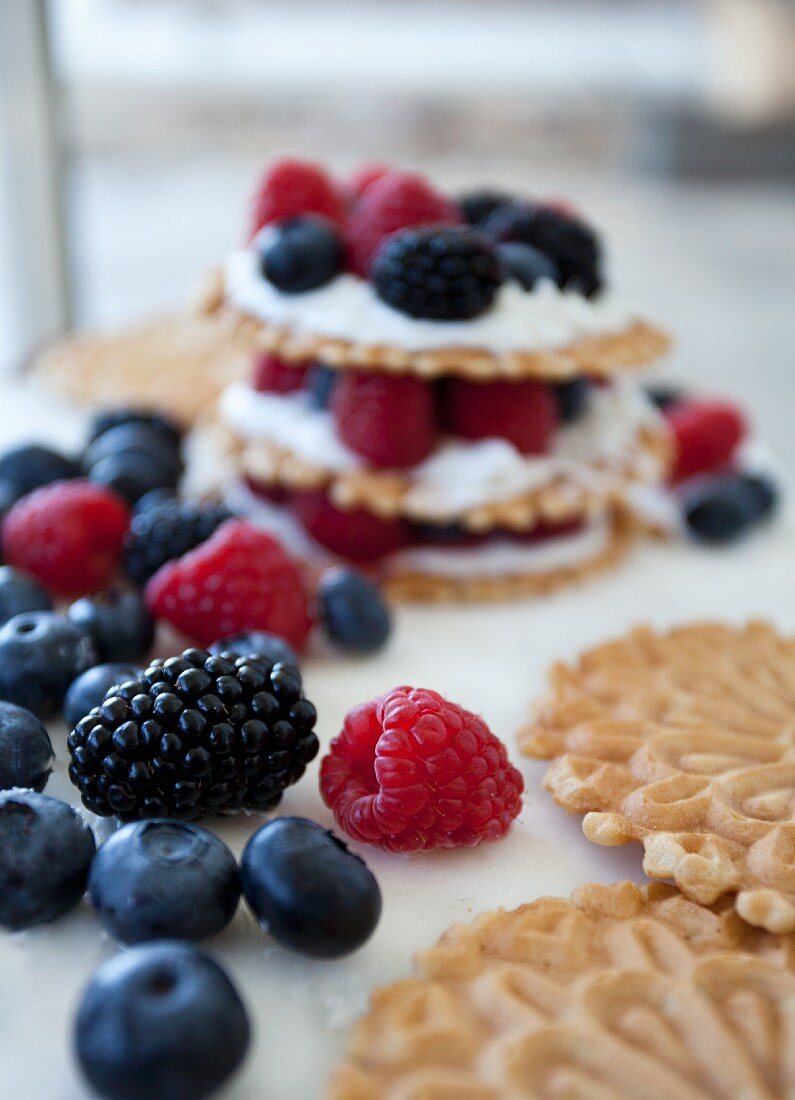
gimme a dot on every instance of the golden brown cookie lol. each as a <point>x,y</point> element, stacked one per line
<point>619,994</point>
<point>176,363</point>
<point>603,356</point>
<point>684,741</point>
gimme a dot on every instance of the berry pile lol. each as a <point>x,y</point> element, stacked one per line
<point>166,531</point>
<point>195,734</point>
<point>428,255</point>
<point>411,770</point>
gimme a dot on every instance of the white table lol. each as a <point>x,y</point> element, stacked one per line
<point>490,659</point>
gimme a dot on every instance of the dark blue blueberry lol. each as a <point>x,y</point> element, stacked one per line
<point>164,880</point>
<point>476,206</point>
<point>526,264</point>
<point>119,622</point>
<point>168,429</point>
<point>320,385</point>
<point>41,653</point>
<point>353,611</point>
<point>664,395</point>
<point>442,533</point>
<point>270,647</point>
<point>766,491</point>
<point>26,755</point>
<point>8,496</point>
<point>91,687</point>
<point>572,399</point>
<point>45,851</point>
<point>133,439</point>
<point>29,467</point>
<point>721,509</point>
<point>301,253</point>
<point>308,890</point>
<point>161,1021</point>
<point>154,498</point>
<point>20,592</point>
<point>132,474</point>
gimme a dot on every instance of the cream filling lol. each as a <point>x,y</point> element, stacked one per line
<point>348,308</point>
<point>503,557</point>
<point>461,474</point>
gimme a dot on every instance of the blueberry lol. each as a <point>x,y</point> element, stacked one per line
<point>164,880</point>
<point>301,253</point>
<point>526,264</point>
<point>572,399</point>
<point>308,890</point>
<point>20,592</point>
<point>721,509</point>
<point>154,498</point>
<point>320,385</point>
<point>45,852</point>
<point>476,206</point>
<point>8,495</point>
<point>119,622</point>
<point>664,395</point>
<point>269,646</point>
<point>766,492</point>
<point>168,429</point>
<point>26,754</point>
<point>352,610</point>
<point>29,467</point>
<point>40,654</point>
<point>132,474</point>
<point>161,1021</point>
<point>91,687</point>
<point>137,439</point>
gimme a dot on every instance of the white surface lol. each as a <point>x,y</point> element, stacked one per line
<point>490,659</point>
<point>349,308</point>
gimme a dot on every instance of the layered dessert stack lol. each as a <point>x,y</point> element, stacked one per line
<point>443,389</point>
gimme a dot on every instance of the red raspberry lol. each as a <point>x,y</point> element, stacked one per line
<point>361,177</point>
<point>706,435</point>
<point>412,771</point>
<point>239,579</point>
<point>397,200</point>
<point>389,420</point>
<point>273,375</point>
<point>69,535</point>
<point>357,535</point>
<point>290,187</point>
<point>524,413</point>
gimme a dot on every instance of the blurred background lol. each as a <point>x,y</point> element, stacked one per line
<point>132,132</point>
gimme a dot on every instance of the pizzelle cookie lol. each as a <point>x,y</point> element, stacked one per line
<point>684,741</point>
<point>621,993</point>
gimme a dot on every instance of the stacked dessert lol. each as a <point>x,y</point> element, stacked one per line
<point>443,389</point>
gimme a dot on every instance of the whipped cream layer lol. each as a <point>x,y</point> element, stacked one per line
<point>348,308</point>
<point>462,474</point>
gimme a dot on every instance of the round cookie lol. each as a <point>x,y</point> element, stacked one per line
<point>621,993</point>
<point>683,741</point>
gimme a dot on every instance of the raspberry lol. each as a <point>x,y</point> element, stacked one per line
<point>398,200</point>
<point>291,187</point>
<point>194,734</point>
<point>240,579</point>
<point>706,435</point>
<point>412,771</point>
<point>273,375</point>
<point>390,421</point>
<point>68,535</point>
<point>361,177</point>
<point>442,273</point>
<point>524,413</point>
<point>566,239</point>
<point>357,535</point>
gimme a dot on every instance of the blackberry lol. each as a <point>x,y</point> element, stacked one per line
<point>166,531</point>
<point>442,273</point>
<point>195,734</point>
<point>168,429</point>
<point>569,242</point>
<point>476,206</point>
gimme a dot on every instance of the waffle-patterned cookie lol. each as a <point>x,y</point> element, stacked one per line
<point>604,356</point>
<point>619,994</point>
<point>178,363</point>
<point>685,742</point>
